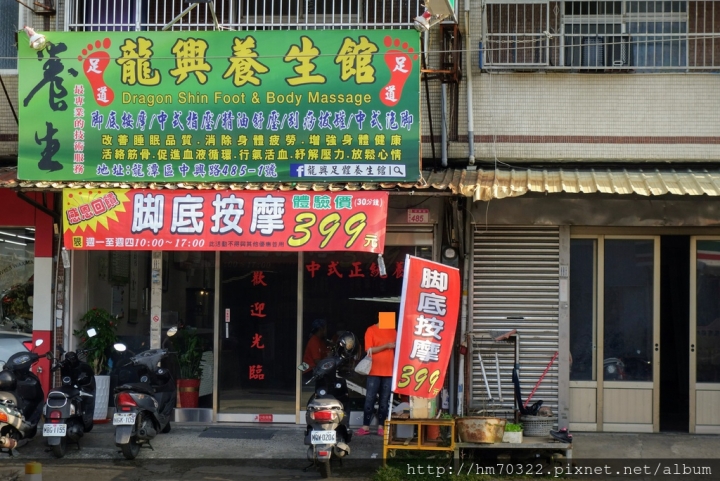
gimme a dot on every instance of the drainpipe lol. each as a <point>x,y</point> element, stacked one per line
<point>467,266</point>
<point>443,122</point>
<point>468,76</point>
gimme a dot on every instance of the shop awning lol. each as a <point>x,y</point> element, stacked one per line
<point>481,184</point>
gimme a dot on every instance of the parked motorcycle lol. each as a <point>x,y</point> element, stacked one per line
<point>69,409</point>
<point>327,413</point>
<point>144,408</point>
<point>21,399</point>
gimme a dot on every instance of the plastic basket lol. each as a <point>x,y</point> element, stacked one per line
<point>537,425</point>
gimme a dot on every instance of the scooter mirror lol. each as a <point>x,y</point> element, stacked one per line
<point>91,332</point>
<point>172,331</point>
<point>120,347</point>
<point>303,367</point>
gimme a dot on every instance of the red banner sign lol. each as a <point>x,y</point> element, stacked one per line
<point>426,330</point>
<point>143,219</point>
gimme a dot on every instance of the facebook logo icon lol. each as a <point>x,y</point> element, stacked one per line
<point>297,170</point>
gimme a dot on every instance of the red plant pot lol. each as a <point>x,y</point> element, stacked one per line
<point>188,393</point>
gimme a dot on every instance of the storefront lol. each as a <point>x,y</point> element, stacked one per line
<point>28,274</point>
<point>254,306</point>
<point>624,288</point>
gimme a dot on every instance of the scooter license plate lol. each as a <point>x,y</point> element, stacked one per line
<point>322,437</point>
<point>124,419</point>
<point>54,429</point>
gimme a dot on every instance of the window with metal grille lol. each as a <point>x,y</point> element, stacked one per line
<point>9,16</point>
<point>242,14</point>
<point>639,36</point>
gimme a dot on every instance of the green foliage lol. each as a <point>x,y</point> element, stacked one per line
<point>188,346</point>
<point>105,325</point>
<point>513,428</point>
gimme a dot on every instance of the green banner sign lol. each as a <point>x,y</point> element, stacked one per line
<point>266,106</point>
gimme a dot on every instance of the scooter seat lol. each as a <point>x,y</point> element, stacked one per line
<point>65,391</point>
<point>141,387</point>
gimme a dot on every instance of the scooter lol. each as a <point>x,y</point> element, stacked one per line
<point>144,408</point>
<point>328,421</point>
<point>21,399</point>
<point>69,409</point>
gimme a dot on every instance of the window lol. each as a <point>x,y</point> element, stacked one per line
<point>9,15</point>
<point>640,36</point>
<point>17,264</point>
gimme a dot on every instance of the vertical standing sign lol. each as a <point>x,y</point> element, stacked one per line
<point>428,318</point>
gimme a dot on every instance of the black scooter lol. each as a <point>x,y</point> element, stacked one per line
<point>144,408</point>
<point>21,399</point>
<point>327,413</point>
<point>69,408</point>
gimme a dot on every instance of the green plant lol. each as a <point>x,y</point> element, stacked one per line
<point>98,346</point>
<point>188,346</point>
<point>513,428</point>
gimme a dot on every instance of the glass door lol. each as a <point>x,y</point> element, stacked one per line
<point>630,334</point>
<point>614,333</point>
<point>705,335</point>
<point>257,337</point>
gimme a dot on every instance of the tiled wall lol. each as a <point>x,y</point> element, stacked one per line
<point>595,117</point>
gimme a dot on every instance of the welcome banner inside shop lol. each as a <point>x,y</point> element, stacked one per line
<point>270,106</point>
<point>144,219</point>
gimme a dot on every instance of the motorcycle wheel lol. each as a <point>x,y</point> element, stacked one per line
<point>325,469</point>
<point>31,434</point>
<point>87,426</point>
<point>59,449</point>
<point>131,449</point>
<point>167,428</point>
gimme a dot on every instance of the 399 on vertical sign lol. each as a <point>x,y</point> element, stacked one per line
<point>415,379</point>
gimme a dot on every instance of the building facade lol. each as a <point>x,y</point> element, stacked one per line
<point>571,150</point>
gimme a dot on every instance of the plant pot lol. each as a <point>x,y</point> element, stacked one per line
<point>188,393</point>
<point>432,433</point>
<point>479,429</point>
<point>102,397</point>
<point>513,438</point>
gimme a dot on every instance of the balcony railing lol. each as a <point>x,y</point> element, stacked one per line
<point>142,15</point>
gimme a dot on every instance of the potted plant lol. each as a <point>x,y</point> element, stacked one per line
<point>188,346</point>
<point>513,433</point>
<point>102,325</point>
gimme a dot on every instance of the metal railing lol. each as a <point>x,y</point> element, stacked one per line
<point>641,36</point>
<point>142,15</point>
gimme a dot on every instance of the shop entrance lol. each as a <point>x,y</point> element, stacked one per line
<point>642,324</point>
<point>674,333</point>
<point>257,336</point>
<point>704,335</point>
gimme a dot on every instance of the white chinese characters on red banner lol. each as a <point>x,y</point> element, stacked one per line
<point>426,331</point>
<point>146,219</point>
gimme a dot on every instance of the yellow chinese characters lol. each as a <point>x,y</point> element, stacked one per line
<point>190,58</point>
<point>244,65</point>
<point>304,55</point>
<point>355,60</point>
<point>135,63</point>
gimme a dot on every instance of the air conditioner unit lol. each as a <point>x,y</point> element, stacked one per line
<point>605,51</point>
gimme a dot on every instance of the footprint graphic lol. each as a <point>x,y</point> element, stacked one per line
<point>400,64</point>
<point>94,65</point>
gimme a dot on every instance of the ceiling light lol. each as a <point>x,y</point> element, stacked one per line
<point>13,242</point>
